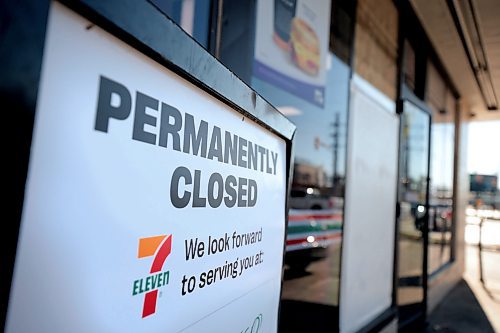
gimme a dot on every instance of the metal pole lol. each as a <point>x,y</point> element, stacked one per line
<point>480,249</point>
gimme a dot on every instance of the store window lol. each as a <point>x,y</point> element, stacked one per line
<point>442,104</point>
<point>296,55</point>
<point>312,259</point>
<point>237,37</point>
<point>193,16</point>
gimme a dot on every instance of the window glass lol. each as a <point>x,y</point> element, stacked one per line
<point>192,15</point>
<point>237,37</point>
<point>442,104</point>
<point>295,54</point>
<point>413,171</point>
<point>312,259</point>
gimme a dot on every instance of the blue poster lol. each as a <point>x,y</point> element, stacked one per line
<point>291,46</point>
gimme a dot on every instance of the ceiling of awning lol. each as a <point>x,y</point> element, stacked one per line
<point>439,24</point>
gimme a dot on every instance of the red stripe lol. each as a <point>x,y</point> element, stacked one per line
<point>314,217</point>
<point>162,255</point>
<point>149,303</point>
<point>316,238</point>
<point>150,298</point>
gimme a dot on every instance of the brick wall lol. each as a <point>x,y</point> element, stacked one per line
<point>376,44</point>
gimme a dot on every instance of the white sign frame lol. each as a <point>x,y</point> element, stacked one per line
<point>21,292</point>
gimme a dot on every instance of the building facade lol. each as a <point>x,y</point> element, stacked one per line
<point>381,92</point>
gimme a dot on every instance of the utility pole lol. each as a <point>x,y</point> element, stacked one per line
<point>335,136</point>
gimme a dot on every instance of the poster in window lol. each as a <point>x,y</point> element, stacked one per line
<point>291,46</point>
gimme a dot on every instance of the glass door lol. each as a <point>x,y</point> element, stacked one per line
<point>412,225</point>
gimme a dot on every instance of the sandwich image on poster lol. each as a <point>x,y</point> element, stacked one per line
<point>291,46</point>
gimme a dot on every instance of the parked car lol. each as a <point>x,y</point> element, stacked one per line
<point>309,198</point>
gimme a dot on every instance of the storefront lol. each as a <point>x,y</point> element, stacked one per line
<point>374,226</point>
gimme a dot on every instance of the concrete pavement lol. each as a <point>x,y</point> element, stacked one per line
<point>472,306</point>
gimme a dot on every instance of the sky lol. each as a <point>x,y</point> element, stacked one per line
<point>484,148</point>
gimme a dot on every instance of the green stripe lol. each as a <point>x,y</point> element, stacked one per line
<point>309,228</point>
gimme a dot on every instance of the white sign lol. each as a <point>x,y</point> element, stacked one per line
<point>150,205</point>
<point>291,46</point>
<point>368,236</point>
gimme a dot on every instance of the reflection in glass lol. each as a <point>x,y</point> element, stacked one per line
<point>442,103</point>
<point>312,259</point>
<point>193,16</point>
<point>414,156</point>
<point>441,189</point>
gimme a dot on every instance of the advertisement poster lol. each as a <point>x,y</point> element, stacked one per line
<point>150,205</point>
<point>291,46</point>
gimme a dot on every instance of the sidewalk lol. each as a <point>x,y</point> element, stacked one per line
<point>472,306</point>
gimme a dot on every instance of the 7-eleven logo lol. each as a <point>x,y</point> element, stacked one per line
<point>159,247</point>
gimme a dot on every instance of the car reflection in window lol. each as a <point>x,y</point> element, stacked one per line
<point>314,223</point>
